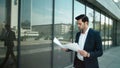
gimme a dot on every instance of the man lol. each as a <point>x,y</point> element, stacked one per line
<point>9,37</point>
<point>90,43</point>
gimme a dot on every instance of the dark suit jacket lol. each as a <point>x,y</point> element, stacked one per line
<point>93,45</point>
<point>9,38</point>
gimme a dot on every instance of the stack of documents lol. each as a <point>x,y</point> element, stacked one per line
<point>71,46</point>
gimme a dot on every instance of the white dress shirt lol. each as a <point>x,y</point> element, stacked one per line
<point>81,43</point>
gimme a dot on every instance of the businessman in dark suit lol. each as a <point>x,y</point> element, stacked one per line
<point>90,43</point>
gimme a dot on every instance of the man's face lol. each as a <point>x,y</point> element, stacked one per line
<point>81,25</point>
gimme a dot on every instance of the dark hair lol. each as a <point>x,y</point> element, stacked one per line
<point>7,25</point>
<point>83,17</point>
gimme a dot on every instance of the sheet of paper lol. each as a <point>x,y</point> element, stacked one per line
<point>71,46</point>
<point>56,41</point>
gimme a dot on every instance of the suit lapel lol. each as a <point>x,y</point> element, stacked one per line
<point>78,36</point>
<point>87,38</point>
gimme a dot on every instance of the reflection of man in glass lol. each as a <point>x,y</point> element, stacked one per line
<point>9,37</point>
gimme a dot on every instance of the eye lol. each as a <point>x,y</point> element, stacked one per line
<point>79,23</point>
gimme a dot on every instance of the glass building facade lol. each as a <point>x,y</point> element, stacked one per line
<point>37,22</point>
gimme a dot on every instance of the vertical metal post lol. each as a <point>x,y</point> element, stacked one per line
<point>52,49</point>
<point>108,32</point>
<point>18,40</point>
<point>116,22</point>
<point>104,30</point>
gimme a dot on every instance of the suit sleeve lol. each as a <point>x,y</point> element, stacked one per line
<point>14,36</point>
<point>98,47</point>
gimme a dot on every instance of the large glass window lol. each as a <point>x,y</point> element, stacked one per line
<point>36,20</point>
<point>79,8</point>
<point>63,31</point>
<point>97,21</point>
<point>89,13</point>
<point>8,51</point>
<point>2,23</point>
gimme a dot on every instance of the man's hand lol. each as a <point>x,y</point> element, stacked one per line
<point>84,53</point>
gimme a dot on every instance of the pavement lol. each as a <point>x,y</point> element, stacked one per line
<point>110,58</point>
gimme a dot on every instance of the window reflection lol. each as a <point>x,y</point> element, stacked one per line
<point>36,23</point>
<point>90,16</point>
<point>63,19</point>
<point>2,15</point>
<point>6,17</point>
<point>97,21</point>
<point>63,31</point>
<point>79,9</point>
<point>2,23</point>
<point>25,19</point>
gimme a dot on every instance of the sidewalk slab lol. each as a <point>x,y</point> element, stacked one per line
<point>110,58</point>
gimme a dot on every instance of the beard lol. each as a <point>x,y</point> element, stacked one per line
<point>81,30</point>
